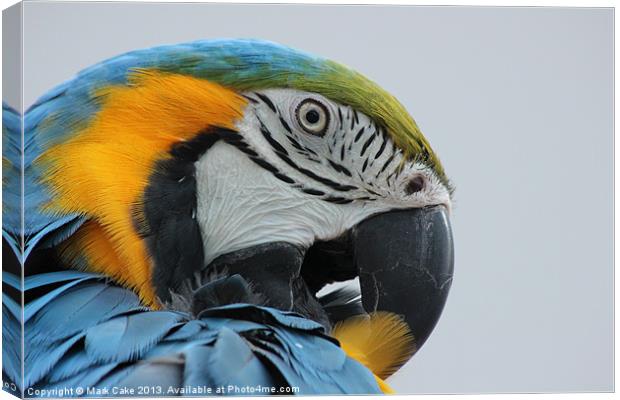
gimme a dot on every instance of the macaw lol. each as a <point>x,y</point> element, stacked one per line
<point>182,207</point>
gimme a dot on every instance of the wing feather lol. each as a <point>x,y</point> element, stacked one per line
<point>88,330</point>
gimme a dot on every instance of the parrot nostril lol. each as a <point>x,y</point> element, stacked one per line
<point>415,185</point>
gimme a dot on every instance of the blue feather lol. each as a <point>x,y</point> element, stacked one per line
<point>311,350</point>
<point>214,365</point>
<point>128,337</point>
<point>156,373</point>
<point>39,280</point>
<point>11,177</point>
<point>72,363</point>
<point>166,348</point>
<point>54,233</point>
<point>78,308</point>
<point>236,324</point>
<point>11,342</point>
<point>12,280</point>
<point>38,361</point>
<point>114,378</point>
<point>84,379</point>
<point>33,307</point>
<point>12,307</point>
<point>264,315</point>
<point>186,330</point>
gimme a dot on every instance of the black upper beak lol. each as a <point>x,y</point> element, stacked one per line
<point>405,261</point>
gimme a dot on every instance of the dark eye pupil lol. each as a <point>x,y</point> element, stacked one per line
<point>312,116</point>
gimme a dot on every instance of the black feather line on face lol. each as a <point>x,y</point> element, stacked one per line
<point>338,200</point>
<point>367,144</point>
<point>380,151</point>
<point>283,154</point>
<point>285,125</point>
<point>359,134</point>
<point>318,178</point>
<point>313,192</point>
<point>251,99</point>
<point>340,168</point>
<point>275,145</point>
<point>296,144</point>
<point>385,165</point>
<point>237,141</point>
<point>365,165</point>
<point>267,101</point>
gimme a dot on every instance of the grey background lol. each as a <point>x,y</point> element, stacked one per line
<point>12,56</point>
<point>517,102</point>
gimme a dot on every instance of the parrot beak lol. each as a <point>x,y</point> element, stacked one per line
<point>405,262</point>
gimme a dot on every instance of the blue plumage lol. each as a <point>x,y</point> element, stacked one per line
<point>121,344</point>
<point>11,340</point>
<point>11,177</point>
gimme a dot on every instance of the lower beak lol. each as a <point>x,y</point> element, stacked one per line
<point>405,261</point>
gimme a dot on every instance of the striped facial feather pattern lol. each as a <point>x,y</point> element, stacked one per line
<point>300,168</point>
<point>350,159</point>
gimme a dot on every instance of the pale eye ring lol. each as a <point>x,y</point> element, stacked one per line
<point>312,116</point>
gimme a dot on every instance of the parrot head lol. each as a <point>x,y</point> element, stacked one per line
<point>246,157</point>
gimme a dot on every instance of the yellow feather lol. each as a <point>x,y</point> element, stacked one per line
<point>385,388</point>
<point>382,342</point>
<point>103,169</point>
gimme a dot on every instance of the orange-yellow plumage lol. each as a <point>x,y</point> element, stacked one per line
<point>103,169</point>
<point>382,342</point>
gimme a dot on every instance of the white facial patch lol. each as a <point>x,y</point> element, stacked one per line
<point>242,205</point>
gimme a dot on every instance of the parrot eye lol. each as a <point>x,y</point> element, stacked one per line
<point>312,116</point>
